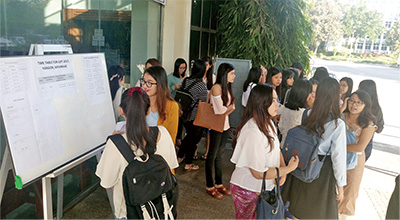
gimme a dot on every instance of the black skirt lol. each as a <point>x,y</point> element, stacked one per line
<point>315,200</point>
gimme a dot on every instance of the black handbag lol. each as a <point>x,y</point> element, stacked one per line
<point>270,204</point>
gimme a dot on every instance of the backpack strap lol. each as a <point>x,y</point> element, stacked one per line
<point>305,115</point>
<point>123,147</point>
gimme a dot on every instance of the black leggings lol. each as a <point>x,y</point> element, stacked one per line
<point>189,142</point>
<point>214,157</point>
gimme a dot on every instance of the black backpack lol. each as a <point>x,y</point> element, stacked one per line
<point>185,100</point>
<point>150,188</point>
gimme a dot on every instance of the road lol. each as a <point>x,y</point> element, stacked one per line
<point>387,80</point>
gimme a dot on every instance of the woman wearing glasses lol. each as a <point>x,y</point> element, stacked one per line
<point>175,78</point>
<point>358,118</point>
<point>163,109</point>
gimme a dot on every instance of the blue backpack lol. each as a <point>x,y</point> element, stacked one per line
<point>305,145</point>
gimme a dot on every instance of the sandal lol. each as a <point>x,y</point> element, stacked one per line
<point>190,167</point>
<point>222,189</point>
<point>214,193</point>
<point>204,157</point>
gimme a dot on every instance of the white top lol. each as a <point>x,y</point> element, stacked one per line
<point>253,151</point>
<point>112,165</point>
<point>245,95</point>
<point>289,119</point>
<point>117,102</point>
<point>219,108</point>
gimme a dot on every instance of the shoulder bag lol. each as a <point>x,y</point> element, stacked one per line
<point>270,204</point>
<point>206,118</point>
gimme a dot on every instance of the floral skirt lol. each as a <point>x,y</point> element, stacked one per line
<point>245,202</point>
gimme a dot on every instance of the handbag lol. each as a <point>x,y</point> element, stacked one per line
<point>206,118</point>
<point>269,203</point>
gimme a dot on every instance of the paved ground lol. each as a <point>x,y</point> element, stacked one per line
<point>376,188</point>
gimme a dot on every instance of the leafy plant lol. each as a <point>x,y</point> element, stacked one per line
<point>268,32</point>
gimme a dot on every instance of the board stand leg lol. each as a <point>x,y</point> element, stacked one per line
<point>60,196</point>
<point>5,167</point>
<point>47,200</point>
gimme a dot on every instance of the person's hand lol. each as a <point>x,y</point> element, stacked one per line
<point>344,106</point>
<point>340,193</point>
<point>117,132</point>
<point>177,86</point>
<point>293,163</point>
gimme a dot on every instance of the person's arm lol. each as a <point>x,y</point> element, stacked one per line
<point>271,172</point>
<point>338,152</point>
<point>218,105</point>
<point>365,137</point>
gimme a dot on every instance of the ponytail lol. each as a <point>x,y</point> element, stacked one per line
<point>135,103</point>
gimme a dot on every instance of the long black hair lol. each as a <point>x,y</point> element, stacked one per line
<point>198,69</point>
<point>178,62</point>
<point>210,74</point>
<point>349,83</point>
<point>135,104</point>
<point>299,93</point>
<point>253,77</point>
<point>115,73</point>
<point>222,79</point>
<point>326,105</point>
<point>260,99</point>
<point>369,86</point>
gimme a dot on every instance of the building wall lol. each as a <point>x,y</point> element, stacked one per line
<point>175,33</point>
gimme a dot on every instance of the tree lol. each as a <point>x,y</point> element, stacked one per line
<point>326,18</point>
<point>268,32</point>
<point>393,37</point>
<point>359,23</point>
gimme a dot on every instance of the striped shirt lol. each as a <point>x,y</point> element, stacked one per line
<point>198,92</point>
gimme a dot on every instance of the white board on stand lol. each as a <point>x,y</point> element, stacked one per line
<point>55,108</point>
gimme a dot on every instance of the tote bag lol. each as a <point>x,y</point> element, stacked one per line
<point>270,204</point>
<point>206,118</point>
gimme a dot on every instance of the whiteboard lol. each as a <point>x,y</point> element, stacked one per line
<point>55,108</point>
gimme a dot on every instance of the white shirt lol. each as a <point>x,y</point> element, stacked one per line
<point>289,119</point>
<point>112,165</point>
<point>253,151</point>
<point>245,95</point>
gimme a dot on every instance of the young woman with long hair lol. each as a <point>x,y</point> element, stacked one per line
<point>359,118</point>
<point>134,106</point>
<point>346,87</point>
<point>253,78</point>
<point>256,150</point>
<point>274,78</point>
<point>163,109</point>
<point>175,78</point>
<point>223,102</point>
<point>369,86</point>
<point>116,77</point>
<point>318,199</point>
<point>291,113</point>
<point>198,91</point>
<point>287,83</point>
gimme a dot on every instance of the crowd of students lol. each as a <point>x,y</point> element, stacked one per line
<point>274,101</point>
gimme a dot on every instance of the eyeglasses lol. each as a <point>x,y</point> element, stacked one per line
<point>148,84</point>
<point>358,103</point>
<point>182,68</point>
